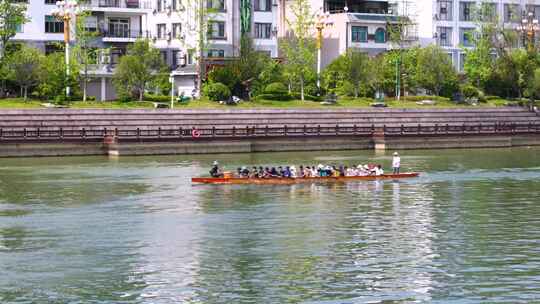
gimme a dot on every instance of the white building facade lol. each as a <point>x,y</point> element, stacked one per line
<point>172,26</point>
<point>450,23</point>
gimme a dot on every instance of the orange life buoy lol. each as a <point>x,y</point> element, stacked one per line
<point>195,133</point>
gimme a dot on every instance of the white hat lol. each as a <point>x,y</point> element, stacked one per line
<point>320,166</point>
<point>366,166</point>
<point>359,167</point>
<point>396,154</point>
<point>215,163</point>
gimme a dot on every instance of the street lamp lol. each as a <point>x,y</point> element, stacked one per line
<point>321,23</point>
<point>65,11</point>
<point>528,27</point>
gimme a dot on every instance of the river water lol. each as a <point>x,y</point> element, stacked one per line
<point>134,230</point>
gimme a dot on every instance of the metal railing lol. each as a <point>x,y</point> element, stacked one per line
<point>183,133</point>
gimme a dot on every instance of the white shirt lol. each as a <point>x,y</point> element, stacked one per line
<point>396,162</point>
<point>379,171</point>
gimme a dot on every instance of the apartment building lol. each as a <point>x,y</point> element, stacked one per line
<point>117,22</point>
<point>450,23</point>
<point>172,27</point>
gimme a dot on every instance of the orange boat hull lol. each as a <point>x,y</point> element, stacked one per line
<point>239,180</point>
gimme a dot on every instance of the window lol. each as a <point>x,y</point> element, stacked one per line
<point>218,5</point>
<point>118,27</point>
<point>51,48</point>
<point>163,56</point>
<point>216,30</point>
<point>160,5</point>
<point>444,36</point>
<point>176,30</point>
<point>263,5</point>
<point>359,33</point>
<point>175,58</point>
<point>53,25</point>
<point>90,23</point>
<point>380,35</point>
<point>488,11</point>
<point>263,30</point>
<point>216,53</point>
<point>176,5</point>
<point>52,2</point>
<point>190,57</point>
<point>535,9</point>
<point>466,36</point>
<point>465,11</point>
<point>161,30</point>
<point>445,10</point>
<point>17,27</point>
<point>511,13</point>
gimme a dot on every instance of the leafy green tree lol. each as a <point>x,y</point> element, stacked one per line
<point>24,68</point>
<point>53,79</point>
<point>137,69</point>
<point>350,70</point>
<point>84,50</point>
<point>12,16</point>
<point>299,46</point>
<point>434,70</point>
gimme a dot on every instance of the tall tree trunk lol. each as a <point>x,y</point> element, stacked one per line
<point>85,84</point>
<point>141,94</point>
<point>25,93</point>
<point>302,88</point>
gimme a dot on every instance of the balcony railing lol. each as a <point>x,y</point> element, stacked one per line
<point>121,33</point>
<point>134,4</point>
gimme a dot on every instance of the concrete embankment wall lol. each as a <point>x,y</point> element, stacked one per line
<point>267,145</point>
<point>69,119</point>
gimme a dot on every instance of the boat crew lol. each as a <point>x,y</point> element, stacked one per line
<point>396,163</point>
<point>378,170</point>
<point>215,171</point>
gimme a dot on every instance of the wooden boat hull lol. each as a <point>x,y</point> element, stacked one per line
<point>272,181</point>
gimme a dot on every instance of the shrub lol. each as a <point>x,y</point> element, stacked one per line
<point>470,91</point>
<point>277,97</point>
<point>157,98</point>
<point>308,97</point>
<point>426,97</point>
<point>276,88</point>
<point>217,91</point>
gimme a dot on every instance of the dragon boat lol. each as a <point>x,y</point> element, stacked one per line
<point>298,180</point>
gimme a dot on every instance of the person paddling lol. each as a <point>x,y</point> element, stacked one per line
<point>216,171</point>
<point>396,163</point>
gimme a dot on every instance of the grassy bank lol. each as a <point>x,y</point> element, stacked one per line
<point>16,103</point>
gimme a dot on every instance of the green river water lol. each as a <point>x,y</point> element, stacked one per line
<point>134,230</point>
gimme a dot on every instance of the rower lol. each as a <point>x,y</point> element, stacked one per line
<point>396,163</point>
<point>215,171</point>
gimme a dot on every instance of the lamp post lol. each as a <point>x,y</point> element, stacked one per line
<point>321,23</point>
<point>528,28</point>
<point>66,11</point>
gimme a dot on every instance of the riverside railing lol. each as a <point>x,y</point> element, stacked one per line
<point>194,133</point>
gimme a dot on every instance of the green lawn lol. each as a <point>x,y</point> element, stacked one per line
<point>17,103</point>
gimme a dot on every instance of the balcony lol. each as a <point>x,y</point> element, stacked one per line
<point>122,35</point>
<point>120,6</point>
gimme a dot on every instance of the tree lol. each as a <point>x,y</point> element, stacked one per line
<point>53,79</point>
<point>434,69</point>
<point>12,16</point>
<point>352,69</point>
<point>299,46</point>
<point>24,67</point>
<point>137,69</point>
<point>84,51</point>
<point>198,29</point>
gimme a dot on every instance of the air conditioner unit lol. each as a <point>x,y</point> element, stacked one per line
<point>435,35</point>
<point>169,36</point>
<point>436,17</point>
